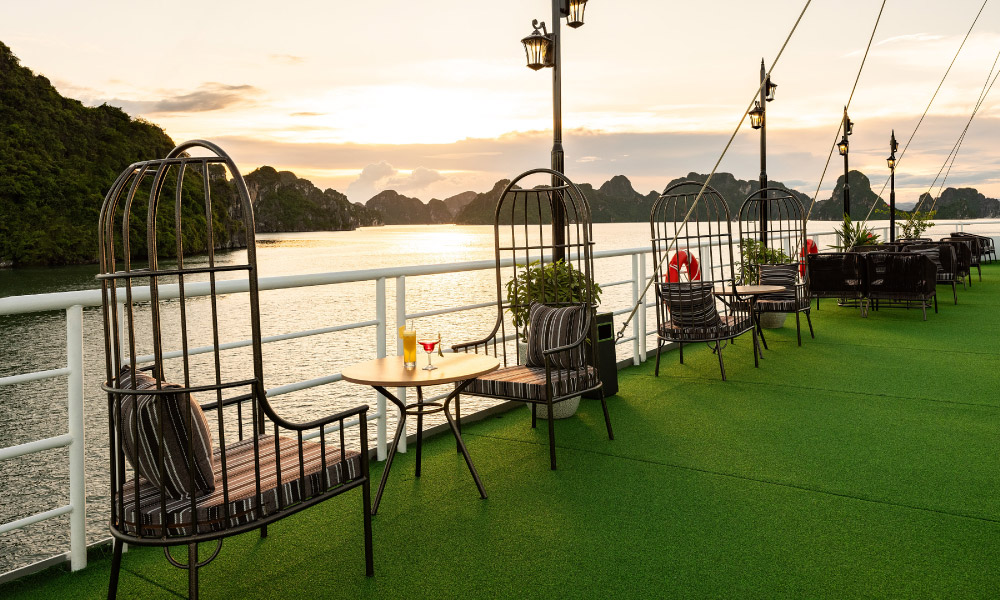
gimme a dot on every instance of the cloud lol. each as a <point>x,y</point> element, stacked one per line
<point>382,176</point>
<point>209,96</point>
<point>306,114</point>
<point>288,59</point>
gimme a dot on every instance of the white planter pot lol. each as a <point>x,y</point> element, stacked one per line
<point>560,410</point>
<point>772,320</point>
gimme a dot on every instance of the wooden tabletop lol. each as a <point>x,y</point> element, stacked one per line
<point>751,290</point>
<point>389,371</point>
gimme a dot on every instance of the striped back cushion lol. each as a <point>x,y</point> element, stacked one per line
<point>551,327</point>
<point>140,426</point>
<point>691,304</point>
<point>784,275</point>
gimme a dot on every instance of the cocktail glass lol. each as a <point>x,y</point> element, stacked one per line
<point>428,345</point>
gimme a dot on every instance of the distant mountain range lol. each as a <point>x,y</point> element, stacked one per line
<point>60,157</point>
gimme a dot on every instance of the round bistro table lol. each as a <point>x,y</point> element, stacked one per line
<point>389,372</point>
<point>751,292</point>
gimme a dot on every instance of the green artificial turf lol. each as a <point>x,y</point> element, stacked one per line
<point>862,464</point>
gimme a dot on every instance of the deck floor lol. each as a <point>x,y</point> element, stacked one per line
<point>864,463</point>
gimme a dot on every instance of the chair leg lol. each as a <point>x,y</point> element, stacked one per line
<point>659,347</point>
<point>722,366</point>
<point>366,502</point>
<point>681,346</point>
<point>116,565</point>
<point>193,571</point>
<point>954,291</point>
<point>458,421</point>
<point>263,531</point>
<point>534,415</point>
<point>552,436</point>
<point>935,304</point>
<point>607,417</point>
<point>809,320</point>
<point>798,328</point>
<point>756,349</point>
<point>923,307</point>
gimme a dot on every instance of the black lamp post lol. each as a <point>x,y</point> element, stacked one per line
<point>842,147</point>
<point>892,186</point>
<point>543,50</point>
<point>758,120</point>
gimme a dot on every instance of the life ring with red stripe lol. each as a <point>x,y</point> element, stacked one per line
<point>809,248</point>
<point>683,260</point>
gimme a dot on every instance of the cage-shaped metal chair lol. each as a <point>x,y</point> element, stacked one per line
<point>546,298</point>
<point>772,226</point>
<point>696,295</point>
<point>187,471</point>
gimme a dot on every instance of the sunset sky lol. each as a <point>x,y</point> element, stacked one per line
<point>433,98</point>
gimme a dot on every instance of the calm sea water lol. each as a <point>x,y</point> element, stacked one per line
<point>35,342</point>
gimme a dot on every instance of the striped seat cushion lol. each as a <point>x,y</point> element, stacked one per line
<point>691,304</point>
<point>523,382</point>
<point>784,275</point>
<point>729,325</point>
<point>210,513</point>
<point>140,426</point>
<point>783,305</point>
<point>551,327</point>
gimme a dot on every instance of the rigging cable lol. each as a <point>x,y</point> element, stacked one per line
<point>915,129</point>
<point>848,105</point>
<point>987,86</point>
<point>687,217</point>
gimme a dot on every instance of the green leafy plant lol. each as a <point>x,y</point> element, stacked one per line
<point>557,282</point>
<point>917,222</point>
<point>754,253</point>
<point>852,235</point>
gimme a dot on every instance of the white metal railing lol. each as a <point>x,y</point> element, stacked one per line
<point>73,304</point>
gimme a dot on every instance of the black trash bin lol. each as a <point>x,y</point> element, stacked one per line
<point>608,370</point>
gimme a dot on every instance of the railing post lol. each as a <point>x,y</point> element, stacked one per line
<point>642,308</point>
<point>77,477</point>
<point>400,321</point>
<point>636,358</point>
<point>380,331</point>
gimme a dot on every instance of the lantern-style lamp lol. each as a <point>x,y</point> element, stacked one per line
<point>756,116</point>
<point>538,47</point>
<point>769,90</point>
<point>893,146</point>
<point>842,146</point>
<point>574,18</point>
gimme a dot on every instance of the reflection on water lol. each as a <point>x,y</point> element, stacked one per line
<point>35,342</point>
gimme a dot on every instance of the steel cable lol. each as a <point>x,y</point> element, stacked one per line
<point>917,128</point>
<point>687,217</point>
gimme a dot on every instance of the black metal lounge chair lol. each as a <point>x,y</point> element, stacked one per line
<point>838,275</point>
<point>901,277</point>
<point>696,299</point>
<point>944,258</point>
<point>976,251</point>
<point>187,471</point>
<point>549,228</point>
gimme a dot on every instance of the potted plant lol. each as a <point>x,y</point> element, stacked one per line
<point>918,222</point>
<point>852,235</point>
<point>556,282</point>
